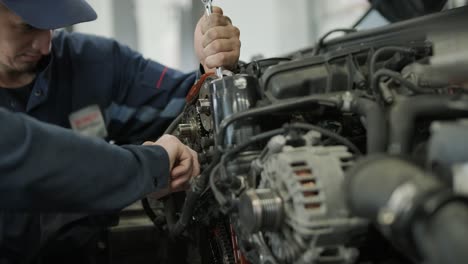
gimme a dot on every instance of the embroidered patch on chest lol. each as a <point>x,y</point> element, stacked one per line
<point>89,121</point>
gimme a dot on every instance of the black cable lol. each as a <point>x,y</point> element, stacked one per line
<point>382,50</point>
<point>229,154</point>
<point>192,197</point>
<point>364,16</point>
<point>219,196</point>
<point>251,141</point>
<point>259,64</point>
<point>374,77</point>
<point>148,210</point>
<point>170,129</point>
<point>170,210</point>
<point>396,76</point>
<point>321,41</point>
<point>222,164</point>
<point>333,100</point>
<point>373,6</point>
<point>329,134</point>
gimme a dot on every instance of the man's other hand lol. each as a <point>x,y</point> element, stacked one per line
<point>183,161</point>
<point>217,41</point>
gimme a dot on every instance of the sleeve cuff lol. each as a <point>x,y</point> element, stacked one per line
<point>153,164</point>
<point>161,174</point>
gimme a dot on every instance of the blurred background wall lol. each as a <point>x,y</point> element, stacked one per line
<point>163,29</point>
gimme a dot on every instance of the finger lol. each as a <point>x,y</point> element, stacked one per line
<point>182,169</point>
<point>214,20</point>
<point>148,143</point>
<point>222,59</point>
<point>182,187</point>
<point>193,153</point>
<point>173,147</point>
<point>216,33</point>
<point>196,164</point>
<point>196,170</point>
<point>217,10</point>
<point>177,183</point>
<point>221,45</point>
<point>185,164</point>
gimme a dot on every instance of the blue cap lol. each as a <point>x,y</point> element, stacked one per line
<point>51,14</point>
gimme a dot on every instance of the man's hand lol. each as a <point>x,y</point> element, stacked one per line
<point>183,161</point>
<point>217,42</point>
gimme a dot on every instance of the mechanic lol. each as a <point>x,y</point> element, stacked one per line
<point>94,85</point>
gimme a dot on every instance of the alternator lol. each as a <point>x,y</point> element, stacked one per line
<point>299,206</point>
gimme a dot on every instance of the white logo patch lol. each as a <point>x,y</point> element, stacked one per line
<point>89,121</point>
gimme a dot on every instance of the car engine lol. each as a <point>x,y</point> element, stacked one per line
<point>353,151</point>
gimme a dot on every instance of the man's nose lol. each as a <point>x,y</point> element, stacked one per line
<point>43,41</point>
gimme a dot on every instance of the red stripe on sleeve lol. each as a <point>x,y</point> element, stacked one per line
<point>158,85</point>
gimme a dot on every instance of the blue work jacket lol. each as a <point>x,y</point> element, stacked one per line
<point>137,97</point>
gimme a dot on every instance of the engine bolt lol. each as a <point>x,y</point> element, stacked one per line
<point>186,130</point>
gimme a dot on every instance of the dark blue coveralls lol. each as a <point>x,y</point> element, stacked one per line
<point>137,97</point>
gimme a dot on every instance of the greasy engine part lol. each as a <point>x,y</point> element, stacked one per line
<point>299,206</point>
<point>279,139</point>
<point>231,95</point>
<point>217,100</point>
<point>414,210</point>
<point>195,127</point>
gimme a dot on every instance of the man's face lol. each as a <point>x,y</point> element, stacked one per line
<point>21,45</point>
